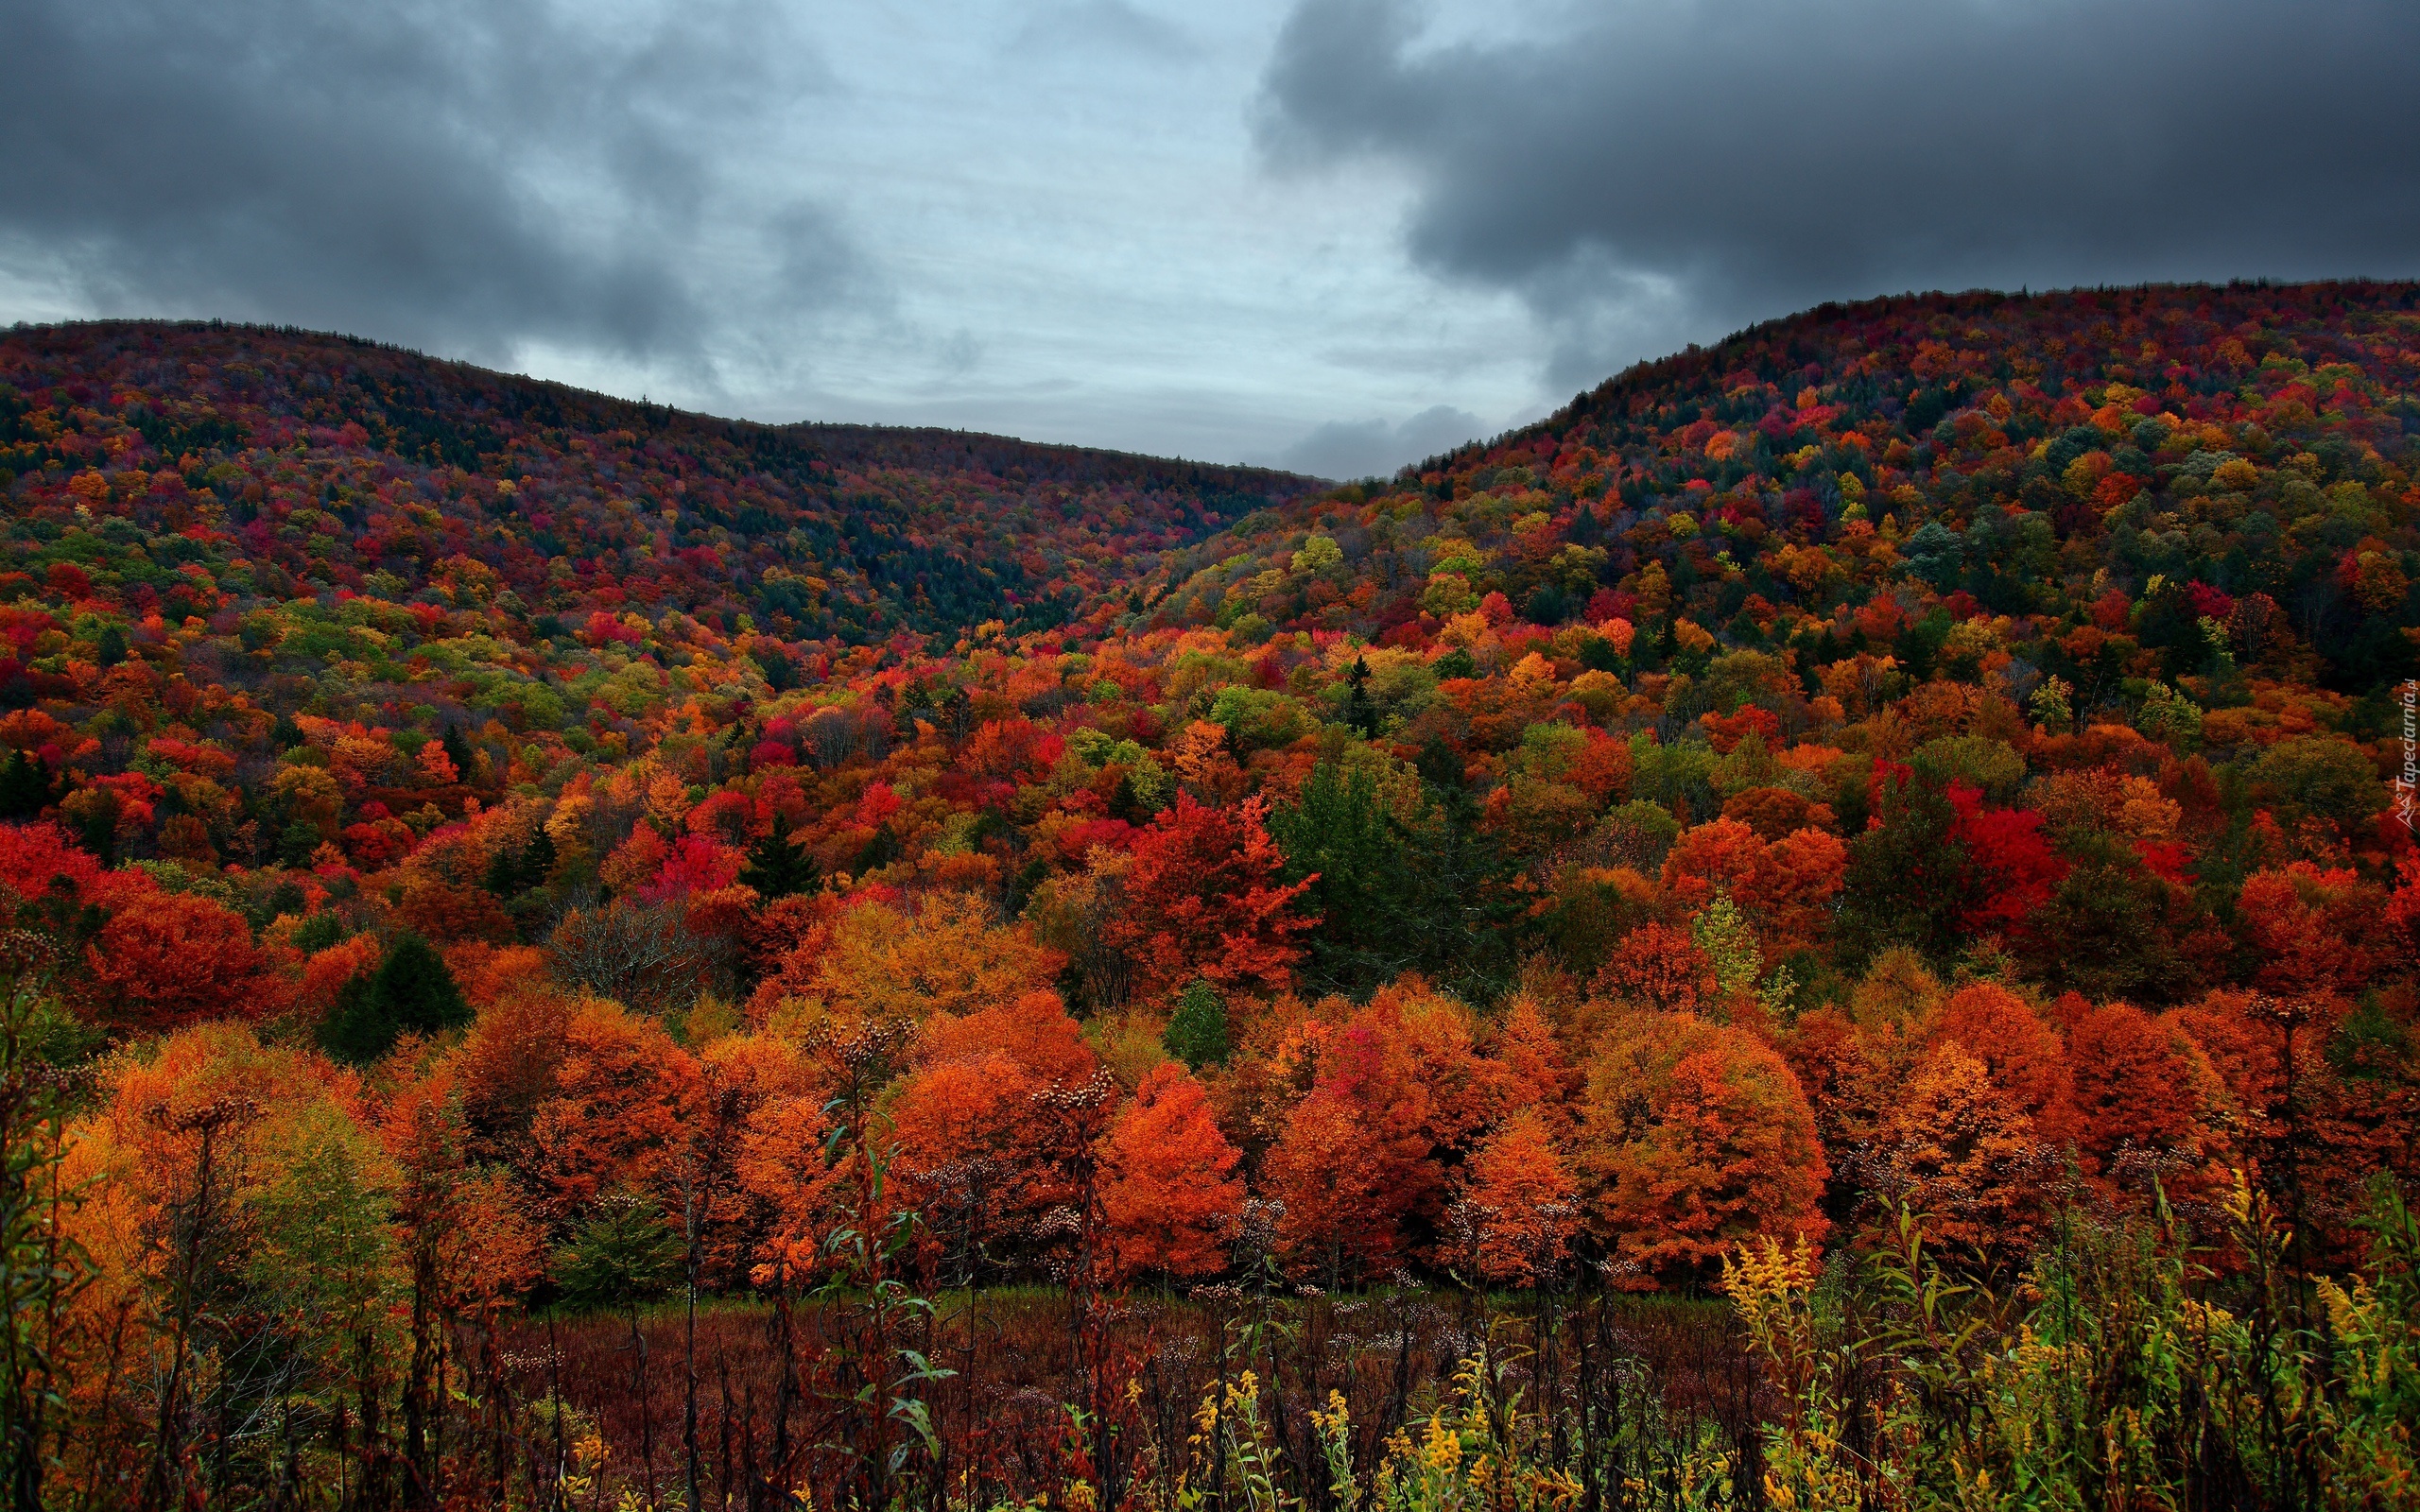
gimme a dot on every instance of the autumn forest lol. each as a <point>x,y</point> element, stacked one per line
<point>1834,926</point>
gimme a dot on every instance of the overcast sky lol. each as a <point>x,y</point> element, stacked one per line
<point>1333,234</point>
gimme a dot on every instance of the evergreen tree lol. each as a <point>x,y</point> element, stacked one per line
<point>627,1254</point>
<point>288,898</point>
<point>98,831</point>
<point>1392,895</point>
<point>1197,1032</point>
<point>24,788</point>
<point>1361,711</point>
<point>1906,876</point>
<point>317,931</point>
<point>538,859</point>
<point>880,851</point>
<point>514,872</point>
<point>777,865</point>
<point>1338,835</point>
<point>458,750</point>
<point>503,874</point>
<point>1458,876</point>
<point>780,674</point>
<point>410,992</point>
<point>42,1269</point>
<point>956,708</point>
<point>297,843</point>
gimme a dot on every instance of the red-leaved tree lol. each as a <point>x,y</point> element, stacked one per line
<point>167,959</point>
<point>1203,898</point>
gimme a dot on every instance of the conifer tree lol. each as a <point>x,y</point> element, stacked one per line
<point>24,788</point>
<point>1197,1032</point>
<point>458,750</point>
<point>410,992</point>
<point>627,1254</point>
<point>538,859</point>
<point>1361,711</point>
<point>778,865</point>
<point>514,872</point>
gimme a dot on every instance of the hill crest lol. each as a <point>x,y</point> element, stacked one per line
<point>892,529</point>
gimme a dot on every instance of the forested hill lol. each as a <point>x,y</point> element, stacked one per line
<point>337,463</point>
<point>2202,453</point>
<point>1917,780</point>
<point>1678,823</point>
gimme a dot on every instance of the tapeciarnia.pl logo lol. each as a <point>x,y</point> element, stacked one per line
<point>2407,780</point>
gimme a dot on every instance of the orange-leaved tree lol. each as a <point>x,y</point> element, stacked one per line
<point>2140,1087</point>
<point>1538,1075</point>
<point>1519,1204</point>
<point>977,1145</point>
<point>1838,1075</point>
<point>780,1160</point>
<point>2309,926</point>
<point>1168,1187</point>
<point>1400,1093</point>
<point>1783,886</point>
<point>944,953</point>
<point>1961,1153</point>
<point>623,1095</point>
<point>1694,1136</point>
<point>2019,1051</point>
<point>1656,966</point>
<point>1352,1160</point>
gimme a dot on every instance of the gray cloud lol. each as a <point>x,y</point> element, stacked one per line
<point>467,175</point>
<point>1664,170</point>
<point>1075,27</point>
<point>1342,449</point>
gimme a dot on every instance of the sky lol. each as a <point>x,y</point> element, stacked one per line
<point>1335,235</point>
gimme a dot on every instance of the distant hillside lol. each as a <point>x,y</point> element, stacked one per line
<point>331,461</point>
<point>1971,454</point>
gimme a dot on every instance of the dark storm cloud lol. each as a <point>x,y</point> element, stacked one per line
<point>461,174</point>
<point>1662,171</point>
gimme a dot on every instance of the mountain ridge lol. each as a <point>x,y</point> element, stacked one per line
<point>1632,429</point>
<point>449,423</point>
